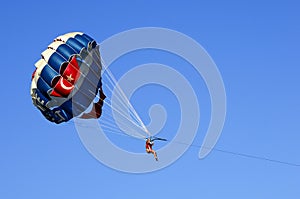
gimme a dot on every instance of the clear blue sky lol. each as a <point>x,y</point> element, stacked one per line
<point>255,45</point>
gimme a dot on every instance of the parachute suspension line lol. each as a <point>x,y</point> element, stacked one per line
<point>131,108</point>
<point>121,111</point>
<point>100,63</point>
<point>121,100</point>
<point>126,103</point>
<point>124,116</point>
<point>117,110</point>
<point>118,98</point>
<point>109,122</point>
<point>123,134</point>
<point>109,127</point>
<point>122,97</point>
<point>110,119</point>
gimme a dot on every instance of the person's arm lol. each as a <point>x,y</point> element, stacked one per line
<point>151,143</point>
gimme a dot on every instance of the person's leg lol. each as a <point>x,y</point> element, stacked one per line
<point>155,155</point>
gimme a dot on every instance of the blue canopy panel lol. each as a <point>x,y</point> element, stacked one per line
<point>67,77</point>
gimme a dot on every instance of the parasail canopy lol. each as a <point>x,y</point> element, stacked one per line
<point>67,78</point>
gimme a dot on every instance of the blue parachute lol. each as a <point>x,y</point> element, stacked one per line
<point>67,78</point>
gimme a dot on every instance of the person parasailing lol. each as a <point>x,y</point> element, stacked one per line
<point>149,144</point>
